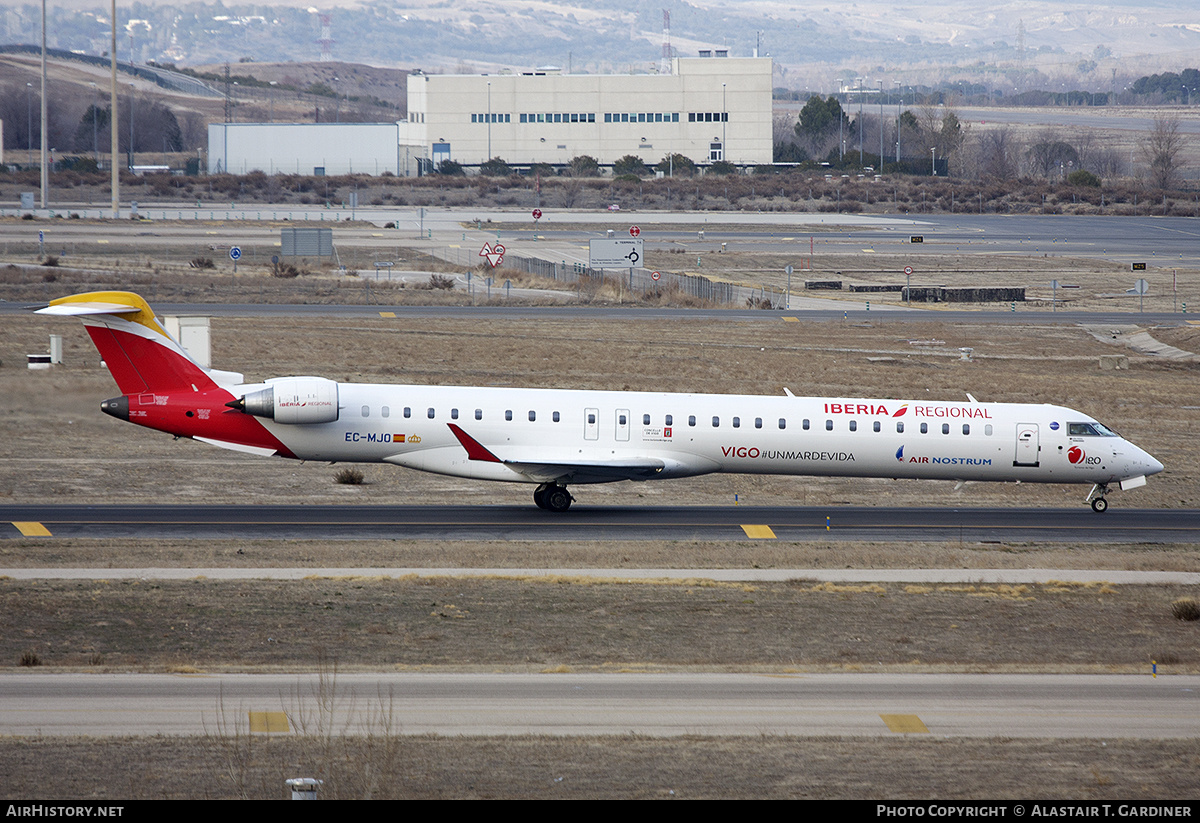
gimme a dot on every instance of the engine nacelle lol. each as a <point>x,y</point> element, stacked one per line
<point>293,400</point>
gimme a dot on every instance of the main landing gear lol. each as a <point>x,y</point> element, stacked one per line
<point>1096,496</point>
<point>552,497</point>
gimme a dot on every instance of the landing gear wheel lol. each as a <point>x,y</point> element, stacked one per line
<point>539,495</point>
<point>1099,505</point>
<point>557,499</point>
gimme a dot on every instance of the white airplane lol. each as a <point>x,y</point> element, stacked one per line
<point>552,438</point>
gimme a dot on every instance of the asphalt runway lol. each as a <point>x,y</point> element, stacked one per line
<point>583,522</point>
<point>858,705</point>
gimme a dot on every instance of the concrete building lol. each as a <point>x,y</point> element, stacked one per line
<point>305,148</point>
<point>708,109</point>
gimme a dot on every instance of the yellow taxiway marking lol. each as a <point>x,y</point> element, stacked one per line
<point>763,532</point>
<point>387,314</point>
<point>1193,322</point>
<point>268,722</point>
<point>31,528</point>
<point>904,723</point>
<point>102,242</point>
<point>791,320</point>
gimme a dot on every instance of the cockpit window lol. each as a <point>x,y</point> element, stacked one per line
<point>1089,430</point>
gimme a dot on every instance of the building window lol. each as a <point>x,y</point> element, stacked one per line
<point>716,152</point>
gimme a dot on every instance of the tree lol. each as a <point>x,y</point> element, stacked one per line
<point>450,168</point>
<point>722,167</point>
<point>495,168</point>
<point>629,164</point>
<point>998,154</point>
<point>1050,155</point>
<point>819,124</point>
<point>583,166</point>
<point>1162,150</point>
<point>678,165</point>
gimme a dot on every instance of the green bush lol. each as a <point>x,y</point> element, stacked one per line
<point>1083,177</point>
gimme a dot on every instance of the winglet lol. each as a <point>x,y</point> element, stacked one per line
<point>475,449</point>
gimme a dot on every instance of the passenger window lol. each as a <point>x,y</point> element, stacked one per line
<point>876,426</point>
<point>532,416</point>
<point>924,428</point>
<point>966,428</point>
<point>716,421</point>
<point>900,427</point>
<point>508,414</point>
<point>828,425</point>
<point>691,419</point>
<point>407,412</point>
<point>945,428</point>
<point>430,413</point>
<point>758,422</point>
<point>555,417</point>
<point>669,418</point>
<point>366,411</point>
<point>645,420</point>
<point>591,419</point>
<point>782,423</point>
<point>620,419</point>
<point>987,430</point>
<point>737,422</point>
<point>454,414</point>
<point>479,414</point>
<point>804,425</point>
<point>853,425</point>
<point>385,411</point>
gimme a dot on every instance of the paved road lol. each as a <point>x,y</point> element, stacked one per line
<point>584,522</point>
<point>860,705</point>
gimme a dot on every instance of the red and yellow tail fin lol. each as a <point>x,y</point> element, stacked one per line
<point>139,353</point>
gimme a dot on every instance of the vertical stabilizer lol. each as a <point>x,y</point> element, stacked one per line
<point>140,354</point>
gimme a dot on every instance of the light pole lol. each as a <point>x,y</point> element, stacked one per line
<point>899,103</point>
<point>29,130</point>
<point>724,117</point>
<point>489,120</point>
<point>95,107</point>
<point>860,120</point>
<point>841,119</point>
<point>880,127</point>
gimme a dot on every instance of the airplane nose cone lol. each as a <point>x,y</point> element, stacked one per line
<point>1154,466</point>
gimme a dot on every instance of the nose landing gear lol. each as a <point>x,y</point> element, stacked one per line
<point>1096,497</point>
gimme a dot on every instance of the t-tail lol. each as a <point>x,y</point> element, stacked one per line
<point>162,386</point>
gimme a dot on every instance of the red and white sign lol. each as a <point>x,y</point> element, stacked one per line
<point>908,269</point>
<point>655,275</point>
<point>537,214</point>
<point>494,254</point>
<point>634,231</point>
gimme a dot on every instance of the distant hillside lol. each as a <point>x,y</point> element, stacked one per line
<point>1007,45</point>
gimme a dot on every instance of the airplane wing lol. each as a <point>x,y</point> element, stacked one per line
<point>546,466</point>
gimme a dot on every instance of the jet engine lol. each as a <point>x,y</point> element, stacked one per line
<point>293,400</point>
